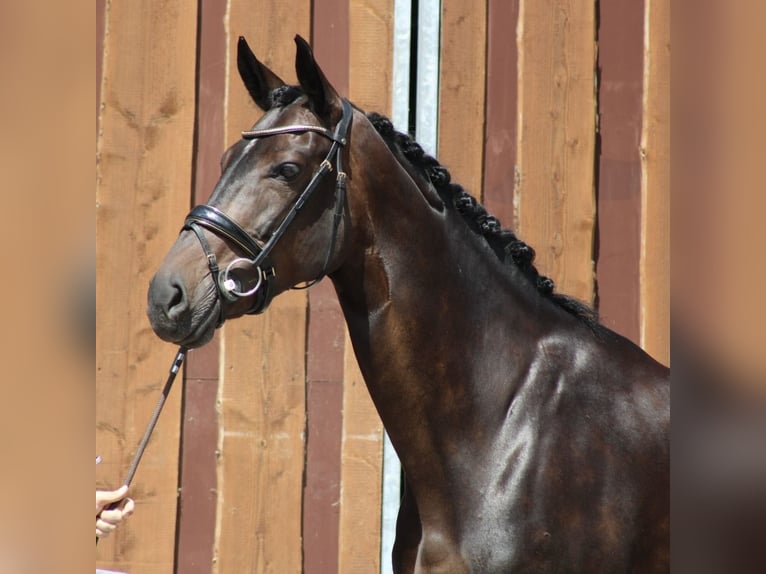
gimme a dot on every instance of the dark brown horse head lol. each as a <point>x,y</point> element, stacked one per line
<point>275,217</point>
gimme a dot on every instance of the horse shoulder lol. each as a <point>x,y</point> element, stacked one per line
<point>597,457</point>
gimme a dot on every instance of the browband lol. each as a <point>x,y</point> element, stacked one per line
<point>254,134</point>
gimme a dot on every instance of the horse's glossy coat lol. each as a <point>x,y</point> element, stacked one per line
<point>532,439</point>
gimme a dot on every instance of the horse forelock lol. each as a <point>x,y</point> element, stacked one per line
<point>284,95</point>
<point>504,243</point>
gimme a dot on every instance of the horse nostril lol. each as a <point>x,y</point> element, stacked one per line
<point>168,306</point>
<point>176,299</point>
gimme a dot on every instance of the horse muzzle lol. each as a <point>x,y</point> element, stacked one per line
<point>169,308</point>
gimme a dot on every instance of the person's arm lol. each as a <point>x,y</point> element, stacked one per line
<point>107,520</point>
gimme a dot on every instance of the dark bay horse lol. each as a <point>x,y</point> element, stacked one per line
<point>533,439</point>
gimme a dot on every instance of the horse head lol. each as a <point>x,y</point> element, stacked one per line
<point>276,216</point>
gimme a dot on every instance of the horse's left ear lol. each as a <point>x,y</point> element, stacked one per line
<point>322,95</point>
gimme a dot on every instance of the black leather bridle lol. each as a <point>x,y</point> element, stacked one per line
<point>228,282</point>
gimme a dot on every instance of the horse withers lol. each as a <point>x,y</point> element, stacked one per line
<point>533,439</point>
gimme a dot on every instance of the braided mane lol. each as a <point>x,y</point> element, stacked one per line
<point>508,248</point>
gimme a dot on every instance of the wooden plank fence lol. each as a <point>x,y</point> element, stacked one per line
<point>269,457</point>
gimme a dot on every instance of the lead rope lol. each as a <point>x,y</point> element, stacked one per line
<point>174,368</point>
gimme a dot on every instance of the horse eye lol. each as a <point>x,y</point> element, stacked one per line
<point>288,170</point>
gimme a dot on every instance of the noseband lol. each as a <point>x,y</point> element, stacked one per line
<point>227,281</point>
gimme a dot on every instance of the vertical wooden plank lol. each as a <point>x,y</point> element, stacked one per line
<point>199,442</point>
<point>655,183</point>
<point>500,135</point>
<point>461,91</point>
<point>324,376</point>
<point>261,398</point>
<point>555,194</point>
<point>362,458</point>
<point>100,16</point>
<point>371,35</point>
<point>261,405</point>
<point>370,81</point>
<point>324,398</point>
<point>143,183</point>
<point>199,433</point>
<point>211,83</point>
<point>621,41</point>
<point>330,40</point>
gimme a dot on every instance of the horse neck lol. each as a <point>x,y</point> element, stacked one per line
<point>409,257</point>
<point>434,316</point>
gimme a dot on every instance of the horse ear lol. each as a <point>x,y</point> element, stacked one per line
<point>315,85</point>
<point>258,79</point>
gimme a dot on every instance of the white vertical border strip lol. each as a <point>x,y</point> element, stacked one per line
<point>427,112</point>
<point>400,111</point>
<point>426,131</point>
<point>400,102</point>
<point>392,487</point>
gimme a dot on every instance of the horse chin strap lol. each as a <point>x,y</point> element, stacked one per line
<point>229,281</point>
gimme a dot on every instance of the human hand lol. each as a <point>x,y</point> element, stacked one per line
<point>107,520</point>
